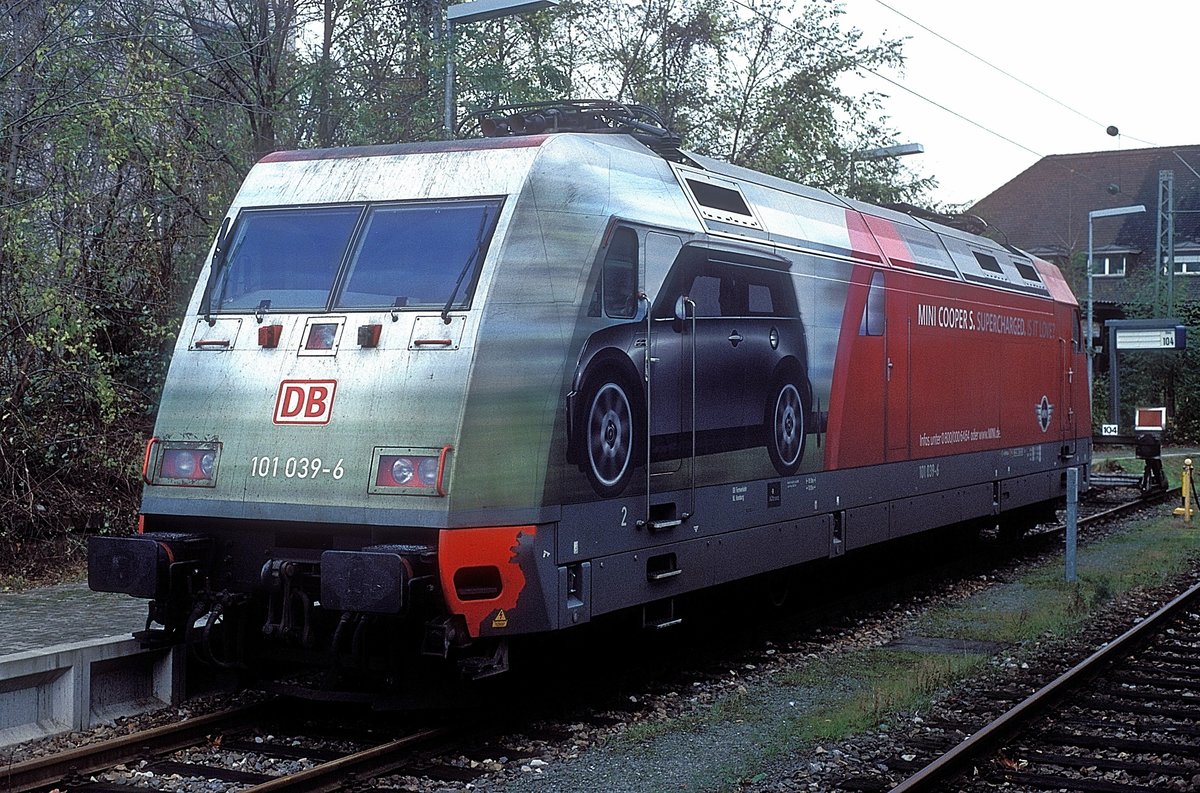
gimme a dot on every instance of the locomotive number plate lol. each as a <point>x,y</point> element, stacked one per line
<point>295,467</point>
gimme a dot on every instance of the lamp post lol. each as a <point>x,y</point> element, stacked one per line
<point>882,153</point>
<point>477,11</point>
<point>899,150</point>
<point>1093,215</point>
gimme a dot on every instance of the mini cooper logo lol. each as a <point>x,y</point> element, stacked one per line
<point>1044,411</point>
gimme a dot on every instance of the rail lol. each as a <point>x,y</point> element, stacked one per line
<point>1004,727</point>
<point>332,775</point>
<point>42,772</point>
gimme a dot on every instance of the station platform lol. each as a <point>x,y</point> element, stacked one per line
<point>43,617</point>
<point>68,662</point>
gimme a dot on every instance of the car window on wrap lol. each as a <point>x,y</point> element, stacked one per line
<point>419,255</point>
<point>283,258</point>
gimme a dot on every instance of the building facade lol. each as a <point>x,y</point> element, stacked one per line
<point>1044,210</point>
<point>1144,265</point>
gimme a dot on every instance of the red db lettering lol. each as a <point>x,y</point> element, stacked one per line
<point>304,401</point>
<point>316,402</point>
<point>291,400</point>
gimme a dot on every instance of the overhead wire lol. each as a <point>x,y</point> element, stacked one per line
<point>888,80</point>
<point>1002,71</point>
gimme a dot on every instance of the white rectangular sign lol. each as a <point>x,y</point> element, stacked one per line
<point>1146,339</point>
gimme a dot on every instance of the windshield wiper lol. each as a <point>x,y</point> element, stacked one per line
<point>218,264</point>
<point>466,268</point>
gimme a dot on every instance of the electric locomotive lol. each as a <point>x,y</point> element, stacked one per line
<point>431,397</point>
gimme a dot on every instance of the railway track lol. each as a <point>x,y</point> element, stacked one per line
<point>46,772</point>
<point>1124,720</point>
<point>1097,512</point>
<point>187,749</point>
<point>213,750</point>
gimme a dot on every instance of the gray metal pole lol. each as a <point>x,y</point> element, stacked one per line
<point>1072,520</point>
<point>448,113</point>
<point>1088,332</point>
<point>1114,379</point>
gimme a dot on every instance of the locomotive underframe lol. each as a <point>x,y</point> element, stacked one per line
<point>375,602</point>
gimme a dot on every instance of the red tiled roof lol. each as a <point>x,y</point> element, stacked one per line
<point>1044,209</point>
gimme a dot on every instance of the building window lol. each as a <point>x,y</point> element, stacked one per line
<point>1187,265</point>
<point>1109,265</point>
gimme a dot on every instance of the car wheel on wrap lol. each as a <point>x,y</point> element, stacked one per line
<point>786,432</point>
<point>609,432</point>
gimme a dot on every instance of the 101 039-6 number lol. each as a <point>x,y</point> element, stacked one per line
<point>295,467</point>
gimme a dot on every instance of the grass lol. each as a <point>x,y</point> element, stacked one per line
<point>829,699</point>
<point>879,682</point>
<point>1042,603</point>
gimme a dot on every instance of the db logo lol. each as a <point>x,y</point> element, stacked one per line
<point>304,401</point>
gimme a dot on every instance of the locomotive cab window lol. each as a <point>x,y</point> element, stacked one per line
<point>419,255</point>
<point>283,258</point>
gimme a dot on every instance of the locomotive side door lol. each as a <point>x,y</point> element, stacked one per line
<point>667,376</point>
<point>896,374</point>
<point>667,371</point>
<point>696,365</point>
<point>1067,374</point>
<point>672,385</point>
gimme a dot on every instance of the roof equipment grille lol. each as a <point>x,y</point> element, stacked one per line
<point>577,115</point>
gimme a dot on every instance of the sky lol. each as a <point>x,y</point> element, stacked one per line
<point>1132,65</point>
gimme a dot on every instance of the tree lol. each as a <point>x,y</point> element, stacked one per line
<point>783,107</point>
<point>375,75</point>
<point>757,84</point>
<point>245,52</point>
<point>102,208</point>
<point>125,129</point>
<point>665,54</point>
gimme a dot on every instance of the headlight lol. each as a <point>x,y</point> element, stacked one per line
<point>182,463</point>
<point>427,470</point>
<point>402,471</point>
<point>418,472</point>
<point>178,463</point>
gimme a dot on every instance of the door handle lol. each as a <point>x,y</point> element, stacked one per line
<point>735,338</point>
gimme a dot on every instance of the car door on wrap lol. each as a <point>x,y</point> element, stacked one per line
<point>740,321</point>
